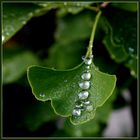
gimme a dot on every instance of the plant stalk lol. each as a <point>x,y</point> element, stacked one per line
<point>90,46</point>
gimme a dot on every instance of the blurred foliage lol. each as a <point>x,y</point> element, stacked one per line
<point>122,35</point>
<point>21,13</point>
<point>37,114</point>
<point>115,52</point>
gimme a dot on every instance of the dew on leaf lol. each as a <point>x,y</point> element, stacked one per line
<point>86,102</point>
<point>84,85</point>
<point>87,67</point>
<point>89,108</point>
<point>87,61</point>
<point>42,95</point>
<point>88,71</point>
<point>83,95</point>
<point>86,76</point>
<point>70,101</point>
<point>79,104</point>
<point>76,112</point>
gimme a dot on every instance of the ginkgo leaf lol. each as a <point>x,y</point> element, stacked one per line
<point>62,88</point>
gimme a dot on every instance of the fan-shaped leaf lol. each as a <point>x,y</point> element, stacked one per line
<point>62,88</point>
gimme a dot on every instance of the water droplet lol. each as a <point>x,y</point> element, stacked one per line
<point>84,85</point>
<point>88,70</point>
<point>131,50</point>
<point>86,102</point>
<point>42,95</point>
<point>83,95</point>
<point>86,76</point>
<point>79,104</point>
<point>89,108</point>
<point>87,67</point>
<point>76,112</point>
<point>88,61</point>
<point>65,81</point>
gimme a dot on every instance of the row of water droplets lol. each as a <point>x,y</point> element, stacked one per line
<point>83,104</point>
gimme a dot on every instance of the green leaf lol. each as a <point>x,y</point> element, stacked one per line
<point>61,87</point>
<point>14,66</point>
<point>72,7</point>
<point>113,43</point>
<point>65,7</point>
<point>15,16</point>
<point>93,127</point>
<point>129,6</point>
<point>121,37</point>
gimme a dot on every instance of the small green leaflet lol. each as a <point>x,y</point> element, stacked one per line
<point>61,87</point>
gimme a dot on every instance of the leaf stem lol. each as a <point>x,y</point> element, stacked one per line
<point>96,9</point>
<point>90,46</point>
